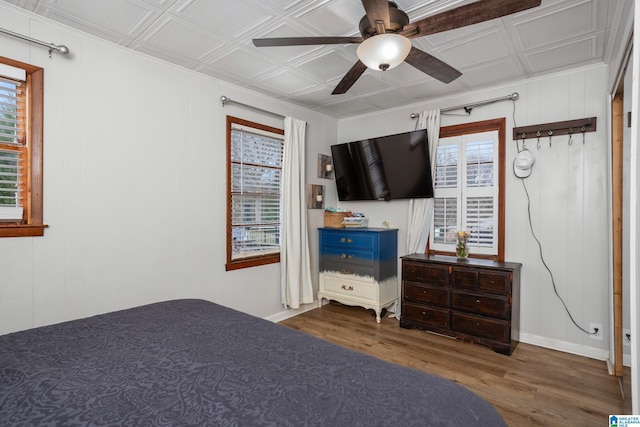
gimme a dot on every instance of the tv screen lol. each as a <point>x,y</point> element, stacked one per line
<point>384,168</point>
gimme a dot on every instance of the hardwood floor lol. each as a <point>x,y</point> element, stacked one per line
<point>533,386</point>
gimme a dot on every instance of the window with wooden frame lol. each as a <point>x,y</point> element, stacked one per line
<point>469,189</point>
<point>254,171</point>
<point>21,148</point>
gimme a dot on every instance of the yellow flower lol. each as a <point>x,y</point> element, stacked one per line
<point>462,235</point>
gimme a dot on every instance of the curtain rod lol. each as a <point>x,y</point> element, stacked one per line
<point>58,48</point>
<point>468,107</point>
<point>227,100</point>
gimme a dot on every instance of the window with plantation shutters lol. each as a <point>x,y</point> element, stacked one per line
<point>21,149</point>
<point>255,170</point>
<point>467,189</point>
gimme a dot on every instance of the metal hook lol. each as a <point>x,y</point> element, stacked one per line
<point>550,133</point>
<point>538,144</point>
<point>584,131</point>
<point>570,135</point>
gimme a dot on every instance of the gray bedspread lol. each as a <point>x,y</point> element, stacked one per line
<point>196,363</point>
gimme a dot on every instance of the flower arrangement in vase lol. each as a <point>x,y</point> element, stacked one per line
<point>462,251</point>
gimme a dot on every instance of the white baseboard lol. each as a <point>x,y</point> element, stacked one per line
<point>567,347</point>
<point>286,314</point>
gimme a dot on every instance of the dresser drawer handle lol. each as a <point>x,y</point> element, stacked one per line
<point>478,324</point>
<point>347,240</point>
<point>346,288</point>
<point>424,313</point>
<point>478,301</point>
<point>343,256</point>
<point>425,292</point>
<point>346,272</point>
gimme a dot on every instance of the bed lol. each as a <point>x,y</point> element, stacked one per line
<point>196,363</point>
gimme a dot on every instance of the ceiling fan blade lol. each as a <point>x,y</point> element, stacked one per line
<point>303,41</point>
<point>431,65</point>
<point>377,10</point>
<point>350,78</point>
<point>480,11</point>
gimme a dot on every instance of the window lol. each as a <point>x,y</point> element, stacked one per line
<point>21,124</point>
<point>254,170</point>
<point>469,188</point>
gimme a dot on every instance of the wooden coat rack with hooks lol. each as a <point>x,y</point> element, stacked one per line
<point>549,130</point>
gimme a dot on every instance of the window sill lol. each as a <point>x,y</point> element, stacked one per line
<point>252,262</point>
<point>22,230</point>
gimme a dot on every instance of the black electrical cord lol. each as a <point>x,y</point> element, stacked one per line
<point>553,281</point>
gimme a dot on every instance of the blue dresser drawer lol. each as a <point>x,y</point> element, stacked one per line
<point>348,255</point>
<point>348,239</point>
<point>352,269</point>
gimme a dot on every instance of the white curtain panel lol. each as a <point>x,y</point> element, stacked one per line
<point>295,276</point>
<point>421,210</point>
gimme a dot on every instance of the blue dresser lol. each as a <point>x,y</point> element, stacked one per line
<point>359,266</point>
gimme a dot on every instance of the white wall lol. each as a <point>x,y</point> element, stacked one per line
<point>568,201</point>
<point>134,184</point>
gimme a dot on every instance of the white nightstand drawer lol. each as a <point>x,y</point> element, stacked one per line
<point>354,287</point>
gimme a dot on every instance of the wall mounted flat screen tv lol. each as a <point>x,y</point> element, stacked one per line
<point>384,168</point>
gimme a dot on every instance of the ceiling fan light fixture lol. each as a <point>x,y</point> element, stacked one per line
<point>384,51</point>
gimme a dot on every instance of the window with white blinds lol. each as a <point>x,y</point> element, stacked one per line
<point>13,149</point>
<point>466,192</point>
<point>254,188</point>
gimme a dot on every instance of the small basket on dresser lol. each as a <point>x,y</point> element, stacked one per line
<point>334,219</point>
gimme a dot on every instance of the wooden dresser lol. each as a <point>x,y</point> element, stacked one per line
<point>359,266</point>
<point>474,300</point>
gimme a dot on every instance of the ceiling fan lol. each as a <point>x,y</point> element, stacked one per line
<point>386,31</point>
